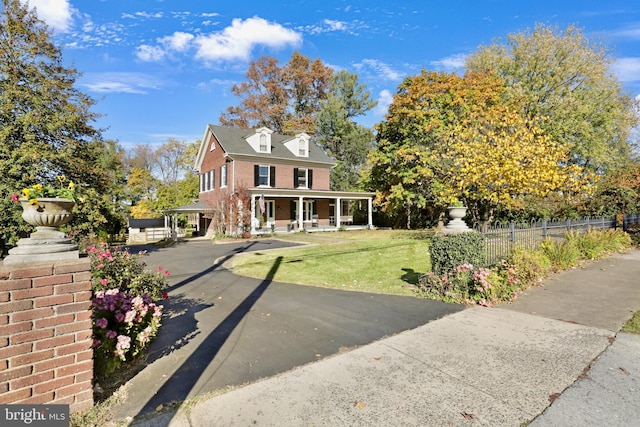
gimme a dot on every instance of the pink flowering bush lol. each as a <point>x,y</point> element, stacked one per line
<point>119,269</point>
<point>124,325</point>
<point>470,285</point>
<point>125,316</point>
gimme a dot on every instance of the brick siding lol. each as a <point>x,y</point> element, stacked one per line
<point>46,335</point>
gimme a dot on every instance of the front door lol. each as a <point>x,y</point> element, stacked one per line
<point>269,216</point>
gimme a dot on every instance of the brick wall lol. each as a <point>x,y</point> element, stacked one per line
<point>45,334</point>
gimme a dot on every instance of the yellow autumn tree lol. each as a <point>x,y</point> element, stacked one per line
<point>499,159</point>
<point>450,138</point>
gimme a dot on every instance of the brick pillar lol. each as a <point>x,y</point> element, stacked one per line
<point>46,334</point>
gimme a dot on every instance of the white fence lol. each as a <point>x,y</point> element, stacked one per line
<point>150,235</point>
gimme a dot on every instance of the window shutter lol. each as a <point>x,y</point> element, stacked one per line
<point>295,178</point>
<point>315,207</point>
<point>310,178</point>
<point>213,179</point>
<point>256,175</point>
<point>272,176</point>
<point>292,209</point>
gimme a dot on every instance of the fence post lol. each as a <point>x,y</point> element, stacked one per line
<point>544,229</point>
<point>512,235</point>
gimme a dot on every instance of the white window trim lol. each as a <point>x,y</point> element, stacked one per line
<point>224,182</point>
<point>306,178</point>
<point>268,176</point>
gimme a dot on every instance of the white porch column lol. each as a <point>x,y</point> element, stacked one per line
<point>338,211</point>
<point>174,226</point>
<point>300,213</point>
<point>253,213</point>
<point>370,212</point>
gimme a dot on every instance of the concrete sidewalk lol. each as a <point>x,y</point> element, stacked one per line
<point>557,345</point>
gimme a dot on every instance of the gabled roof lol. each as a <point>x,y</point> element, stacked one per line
<point>234,143</point>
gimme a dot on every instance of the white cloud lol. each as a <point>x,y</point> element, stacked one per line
<point>238,40</point>
<point>631,32</point>
<point>135,83</point>
<point>150,53</point>
<point>381,69</point>
<point>56,13</point>
<point>385,98</point>
<point>330,25</point>
<point>178,41</point>
<point>627,69</point>
<point>452,62</point>
<point>234,42</point>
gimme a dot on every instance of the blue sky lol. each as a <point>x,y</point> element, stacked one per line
<point>162,69</point>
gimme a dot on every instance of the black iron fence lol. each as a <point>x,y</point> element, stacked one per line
<point>501,239</point>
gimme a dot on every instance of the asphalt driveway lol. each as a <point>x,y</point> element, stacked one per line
<point>224,330</point>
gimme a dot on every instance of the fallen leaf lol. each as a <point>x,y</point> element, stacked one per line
<point>376,358</point>
<point>553,397</point>
<point>159,408</point>
<point>360,405</point>
<point>468,416</point>
<point>318,355</point>
<point>624,370</point>
<point>219,297</point>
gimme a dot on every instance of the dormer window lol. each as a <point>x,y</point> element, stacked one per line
<point>260,140</point>
<point>299,145</point>
<point>263,143</point>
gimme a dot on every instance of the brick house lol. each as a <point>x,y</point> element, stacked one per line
<point>285,177</point>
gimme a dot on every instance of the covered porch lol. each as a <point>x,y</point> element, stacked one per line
<point>283,210</point>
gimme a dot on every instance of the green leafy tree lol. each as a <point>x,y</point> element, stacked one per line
<point>448,138</point>
<point>565,81</point>
<point>409,161</point>
<point>161,178</point>
<point>45,122</point>
<point>285,99</point>
<point>337,132</point>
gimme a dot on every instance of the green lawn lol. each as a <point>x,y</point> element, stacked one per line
<point>372,261</point>
<point>633,325</point>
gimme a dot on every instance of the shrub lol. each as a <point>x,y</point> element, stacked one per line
<point>617,240</point>
<point>524,268</point>
<point>561,255</point>
<point>529,266</point>
<point>124,325</point>
<point>590,243</point>
<point>119,269</point>
<point>448,251</point>
<point>125,318</point>
<point>453,286</point>
<point>633,231</point>
<point>466,284</point>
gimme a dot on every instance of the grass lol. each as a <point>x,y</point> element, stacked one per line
<point>378,261</point>
<point>633,325</point>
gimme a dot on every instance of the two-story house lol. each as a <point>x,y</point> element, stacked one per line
<point>285,177</point>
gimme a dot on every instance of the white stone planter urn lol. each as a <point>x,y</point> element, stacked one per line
<point>47,243</point>
<point>456,225</point>
<point>49,213</point>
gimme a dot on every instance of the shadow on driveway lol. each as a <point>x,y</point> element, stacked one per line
<point>221,330</point>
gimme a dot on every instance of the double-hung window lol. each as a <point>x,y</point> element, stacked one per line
<point>302,178</point>
<point>207,181</point>
<point>264,176</point>
<point>223,175</point>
